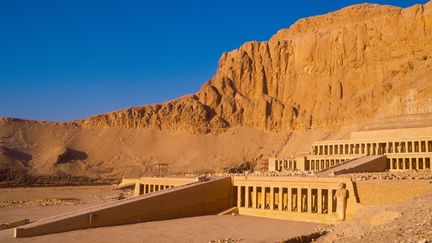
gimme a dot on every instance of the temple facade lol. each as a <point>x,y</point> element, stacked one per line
<point>404,149</point>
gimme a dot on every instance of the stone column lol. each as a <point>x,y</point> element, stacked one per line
<point>404,163</point>
<point>309,200</point>
<point>329,201</point>
<point>254,197</point>
<point>299,202</point>
<point>263,198</point>
<point>417,163</point>
<point>319,200</point>
<point>247,197</point>
<point>239,196</point>
<point>410,164</point>
<point>289,201</point>
<point>391,164</point>
<point>271,198</point>
<point>280,198</point>
<point>137,189</point>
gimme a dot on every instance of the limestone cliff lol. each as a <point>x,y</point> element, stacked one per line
<point>323,71</point>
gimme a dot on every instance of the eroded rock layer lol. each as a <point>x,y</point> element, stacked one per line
<point>323,71</point>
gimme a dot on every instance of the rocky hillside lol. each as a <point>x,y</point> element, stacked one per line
<point>321,78</point>
<point>322,72</point>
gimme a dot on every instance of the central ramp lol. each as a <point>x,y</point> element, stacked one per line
<point>375,163</point>
<point>196,199</point>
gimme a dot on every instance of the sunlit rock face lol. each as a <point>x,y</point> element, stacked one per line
<point>323,71</point>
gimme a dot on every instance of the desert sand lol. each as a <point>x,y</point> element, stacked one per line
<point>194,229</point>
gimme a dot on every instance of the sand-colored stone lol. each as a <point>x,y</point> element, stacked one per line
<point>184,201</point>
<point>322,72</point>
<point>309,199</point>
<point>366,151</point>
<point>321,78</point>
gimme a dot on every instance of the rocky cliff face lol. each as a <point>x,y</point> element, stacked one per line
<point>323,71</point>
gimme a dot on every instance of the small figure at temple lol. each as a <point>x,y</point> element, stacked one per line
<point>341,197</point>
<point>314,203</point>
<point>304,202</point>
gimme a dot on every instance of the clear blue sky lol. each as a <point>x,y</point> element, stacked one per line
<point>63,60</point>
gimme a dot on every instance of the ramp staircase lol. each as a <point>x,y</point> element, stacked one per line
<point>372,163</point>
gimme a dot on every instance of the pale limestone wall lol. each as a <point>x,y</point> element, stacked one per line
<point>272,164</point>
<point>406,149</point>
<point>185,201</point>
<point>393,133</point>
<point>277,164</point>
<point>303,199</point>
<point>379,192</point>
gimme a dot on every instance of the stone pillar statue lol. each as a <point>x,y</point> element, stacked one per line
<point>341,197</point>
<point>304,203</point>
<point>314,203</point>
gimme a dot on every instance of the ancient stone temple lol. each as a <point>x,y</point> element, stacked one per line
<point>371,151</point>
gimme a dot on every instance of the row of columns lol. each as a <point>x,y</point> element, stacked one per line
<point>294,199</point>
<point>148,188</point>
<point>282,165</point>
<point>410,163</point>
<point>321,164</point>
<point>419,146</point>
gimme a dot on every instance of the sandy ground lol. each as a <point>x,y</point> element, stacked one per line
<point>410,221</point>
<point>194,229</point>
<point>20,203</point>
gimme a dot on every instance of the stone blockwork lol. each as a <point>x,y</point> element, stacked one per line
<point>202,198</point>
<point>404,149</point>
<point>290,198</point>
<point>146,185</point>
<point>323,71</point>
<point>293,198</point>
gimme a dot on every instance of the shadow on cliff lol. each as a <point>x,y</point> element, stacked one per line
<point>68,155</point>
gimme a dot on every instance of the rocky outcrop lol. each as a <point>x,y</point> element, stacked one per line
<point>323,71</point>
